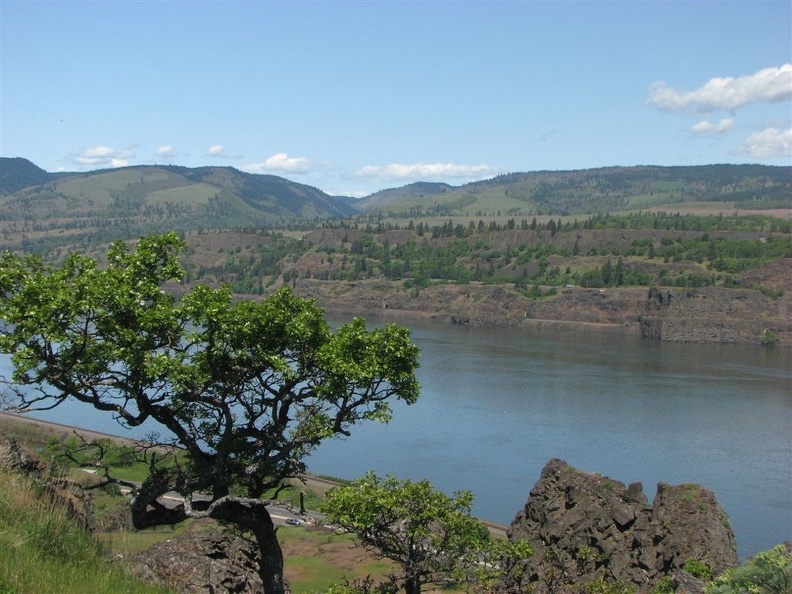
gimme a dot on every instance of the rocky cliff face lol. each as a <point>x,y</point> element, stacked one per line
<point>706,315</point>
<point>586,527</point>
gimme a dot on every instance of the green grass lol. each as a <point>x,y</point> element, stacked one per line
<point>317,559</point>
<point>192,195</point>
<point>45,551</point>
<point>128,542</point>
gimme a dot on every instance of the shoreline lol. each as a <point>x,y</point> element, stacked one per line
<point>320,484</point>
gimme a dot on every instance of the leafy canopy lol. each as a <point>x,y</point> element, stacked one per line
<point>245,389</point>
<point>430,535</point>
<point>252,387</point>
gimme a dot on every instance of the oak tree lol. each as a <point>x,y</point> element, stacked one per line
<point>431,536</point>
<point>245,390</point>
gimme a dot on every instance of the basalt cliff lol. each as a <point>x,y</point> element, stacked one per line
<point>588,527</point>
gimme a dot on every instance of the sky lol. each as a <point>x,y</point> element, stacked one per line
<point>353,97</point>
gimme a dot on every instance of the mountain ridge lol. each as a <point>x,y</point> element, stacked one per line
<point>144,199</point>
<point>599,190</point>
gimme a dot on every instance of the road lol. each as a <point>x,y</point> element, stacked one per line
<point>279,513</point>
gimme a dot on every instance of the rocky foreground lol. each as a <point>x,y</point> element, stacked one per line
<point>586,527</point>
<point>583,528</point>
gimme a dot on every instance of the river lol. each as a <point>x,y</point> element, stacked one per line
<point>498,404</point>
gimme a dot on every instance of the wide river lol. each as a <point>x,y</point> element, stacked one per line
<point>498,404</point>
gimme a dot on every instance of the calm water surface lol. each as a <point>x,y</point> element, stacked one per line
<point>497,405</point>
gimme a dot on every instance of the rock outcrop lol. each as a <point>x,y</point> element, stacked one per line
<point>63,492</point>
<point>586,527</point>
<point>703,315</point>
<point>201,562</point>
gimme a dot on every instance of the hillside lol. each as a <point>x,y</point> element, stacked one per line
<point>696,233</point>
<point>40,210</point>
<point>593,191</point>
<point>728,277</point>
<point>418,190</point>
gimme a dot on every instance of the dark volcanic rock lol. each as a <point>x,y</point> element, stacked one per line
<point>201,562</point>
<point>586,526</point>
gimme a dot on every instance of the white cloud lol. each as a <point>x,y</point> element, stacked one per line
<point>769,85</point>
<point>216,150</point>
<point>99,157</point>
<point>769,143</point>
<point>281,163</point>
<point>707,128</point>
<point>426,171</point>
<point>166,151</point>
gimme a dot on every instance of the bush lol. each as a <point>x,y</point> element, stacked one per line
<point>770,572</point>
<point>698,569</point>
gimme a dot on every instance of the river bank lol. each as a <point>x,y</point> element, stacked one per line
<point>696,315</point>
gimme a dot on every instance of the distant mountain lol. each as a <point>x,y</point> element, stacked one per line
<point>591,191</point>
<point>133,201</point>
<point>17,173</point>
<point>417,190</point>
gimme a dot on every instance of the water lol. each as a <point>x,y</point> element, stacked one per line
<point>497,405</point>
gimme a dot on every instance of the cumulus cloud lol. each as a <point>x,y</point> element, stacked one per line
<point>166,151</point>
<point>769,85</point>
<point>99,157</point>
<point>707,128</point>
<point>769,143</point>
<point>217,151</point>
<point>281,163</point>
<point>426,171</point>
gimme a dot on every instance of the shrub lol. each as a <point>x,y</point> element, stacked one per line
<point>698,569</point>
<point>769,572</point>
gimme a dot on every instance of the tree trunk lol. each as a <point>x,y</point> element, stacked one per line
<point>412,584</point>
<point>270,557</point>
<point>254,518</point>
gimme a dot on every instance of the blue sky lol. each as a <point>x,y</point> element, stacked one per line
<point>353,97</point>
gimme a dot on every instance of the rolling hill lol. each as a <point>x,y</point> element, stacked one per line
<point>41,211</point>
<point>128,202</point>
<point>591,191</point>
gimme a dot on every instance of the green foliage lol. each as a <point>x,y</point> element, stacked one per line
<point>769,572</point>
<point>247,389</point>
<point>430,535</point>
<point>698,569</point>
<point>664,586</point>
<point>769,338</point>
<point>37,534</point>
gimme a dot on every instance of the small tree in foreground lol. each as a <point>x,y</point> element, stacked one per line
<point>243,391</point>
<point>431,536</point>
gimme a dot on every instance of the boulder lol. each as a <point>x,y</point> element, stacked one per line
<point>15,457</point>
<point>586,527</point>
<point>201,562</point>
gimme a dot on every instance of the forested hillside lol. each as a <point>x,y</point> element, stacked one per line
<point>684,229</point>
<point>594,191</point>
<point>40,211</point>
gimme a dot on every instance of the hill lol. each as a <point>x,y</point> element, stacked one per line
<point>592,191</point>
<point>128,202</point>
<point>17,173</point>
<point>417,190</point>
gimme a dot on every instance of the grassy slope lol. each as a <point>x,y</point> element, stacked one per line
<point>45,551</point>
<point>315,559</point>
